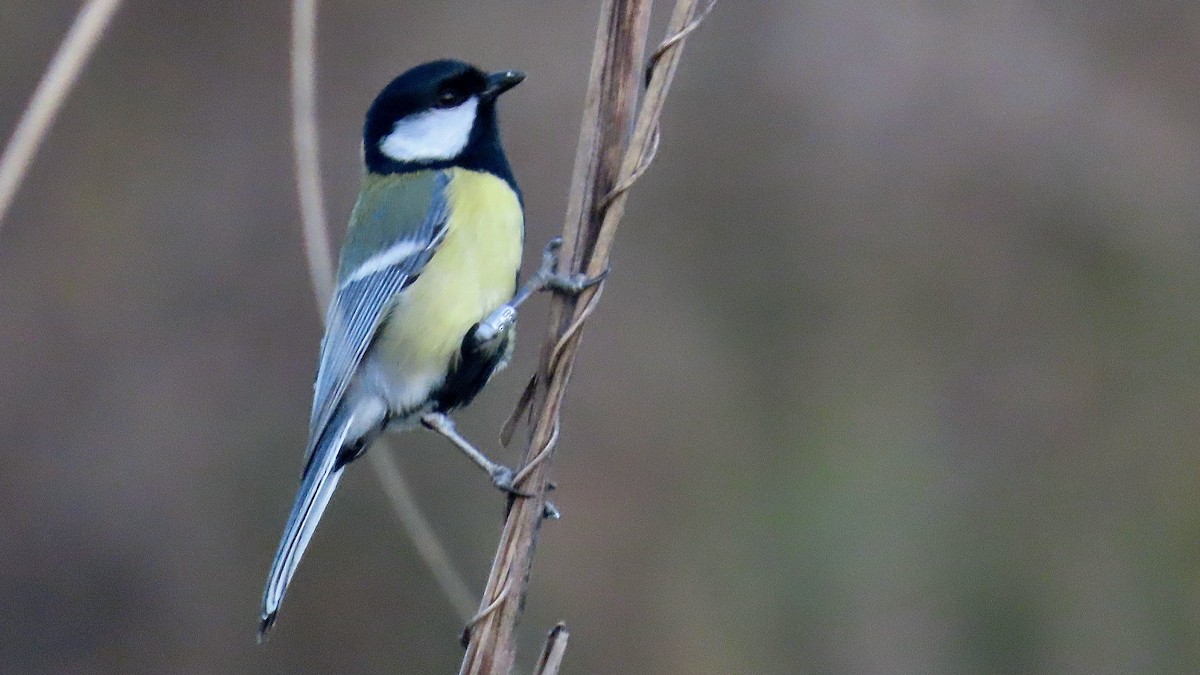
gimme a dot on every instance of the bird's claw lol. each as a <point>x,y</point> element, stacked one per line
<point>573,284</point>
<point>550,251</point>
<point>504,479</point>
<point>549,279</point>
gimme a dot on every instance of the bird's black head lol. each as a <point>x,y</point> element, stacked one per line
<point>439,114</point>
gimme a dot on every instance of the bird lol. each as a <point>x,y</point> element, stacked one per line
<point>424,309</point>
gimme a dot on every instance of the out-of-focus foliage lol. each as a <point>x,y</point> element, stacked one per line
<point>898,369</point>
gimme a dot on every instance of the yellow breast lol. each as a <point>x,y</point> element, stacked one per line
<point>471,274</point>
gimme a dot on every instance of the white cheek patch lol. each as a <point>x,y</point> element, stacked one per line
<point>431,135</point>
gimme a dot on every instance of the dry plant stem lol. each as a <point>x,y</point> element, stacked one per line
<point>604,171</point>
<point>552,654</point>
<point>643,147</point>
<point>611,98</point>
<point>429,547</point>
<point>643,143</point>
<point>320,268</point>
<point>307,154</point>
<point>47,99</point>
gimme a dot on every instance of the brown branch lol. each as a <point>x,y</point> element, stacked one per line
<point>605,169</point>
<point>318,254</point>
<point>51,91</point>
<point>552,654</point>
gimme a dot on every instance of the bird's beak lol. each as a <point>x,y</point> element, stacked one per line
<point>498,83</point>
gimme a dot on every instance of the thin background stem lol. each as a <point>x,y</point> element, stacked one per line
<point>428,545</point>
<point>52,90</point>
<point>320,267</point>
<point>307,150</point>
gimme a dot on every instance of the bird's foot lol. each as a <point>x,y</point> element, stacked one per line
<point>548,278</point>
<point>504,479</point>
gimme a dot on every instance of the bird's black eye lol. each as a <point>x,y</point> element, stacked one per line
<point>449,98</point>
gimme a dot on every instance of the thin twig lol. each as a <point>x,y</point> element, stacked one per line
<point>51,91</point>
<point>486,611</point>
<point>552,654</point>
<point>307,154</point>
<point>429,547</point>
<point>605,169</point>
<point>320,269</point>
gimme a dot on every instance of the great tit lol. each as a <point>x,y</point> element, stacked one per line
<point>423,312</point>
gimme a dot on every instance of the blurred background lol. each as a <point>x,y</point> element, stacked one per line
<point>898,370</point>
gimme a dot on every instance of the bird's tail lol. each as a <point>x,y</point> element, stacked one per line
<point>316,487</point>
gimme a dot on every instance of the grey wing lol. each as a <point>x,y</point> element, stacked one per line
<point>360,304</point>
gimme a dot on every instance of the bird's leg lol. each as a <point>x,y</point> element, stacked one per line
<point>502,476</point>
<point>546,278</point>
